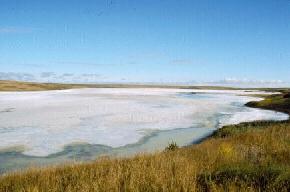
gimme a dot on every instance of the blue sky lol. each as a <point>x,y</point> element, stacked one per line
<point>146,41</point>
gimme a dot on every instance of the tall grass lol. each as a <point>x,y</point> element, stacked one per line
<point>245,157</point>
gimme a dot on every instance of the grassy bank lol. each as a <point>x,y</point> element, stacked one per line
<point>246,157</point>
<point>279,102</point>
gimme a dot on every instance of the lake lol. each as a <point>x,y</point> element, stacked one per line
<point>47,127</point>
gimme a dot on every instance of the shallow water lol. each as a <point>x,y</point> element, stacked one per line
<point>81,124</point>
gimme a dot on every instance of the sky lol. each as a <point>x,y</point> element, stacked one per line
<point>159,41</point>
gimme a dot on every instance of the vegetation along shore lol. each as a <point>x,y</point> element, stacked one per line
<point>246,157</point>
<point>32,86</point>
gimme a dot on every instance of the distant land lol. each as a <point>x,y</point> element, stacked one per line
<point>7,85</point>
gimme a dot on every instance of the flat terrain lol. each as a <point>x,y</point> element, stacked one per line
<point>30,86</point>
<point>26,86</point>
<point>245,157</point>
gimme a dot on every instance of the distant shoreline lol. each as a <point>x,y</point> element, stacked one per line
<point>34,86</point>
<point>7,85</point>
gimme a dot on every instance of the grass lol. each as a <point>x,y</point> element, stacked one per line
<point>27,86</point>
<point>245,157</point>
<point>30,86</point>
<point>278,102</point>
<point>172,146</point>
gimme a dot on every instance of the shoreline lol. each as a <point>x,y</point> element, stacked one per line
<point>23,86</point>
<point>20,86</point>
<point>249,104</point>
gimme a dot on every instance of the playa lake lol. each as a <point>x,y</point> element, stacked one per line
<point>48,127</point>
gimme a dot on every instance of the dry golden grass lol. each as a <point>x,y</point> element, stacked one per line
<point>26,86</point>
<point>30,86</point>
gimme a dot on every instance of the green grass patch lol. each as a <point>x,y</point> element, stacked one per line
<point>279,102</point>
<point>267,178</point>
<point>255,126</point>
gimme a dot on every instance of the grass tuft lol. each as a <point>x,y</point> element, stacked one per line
<point>171,146</point>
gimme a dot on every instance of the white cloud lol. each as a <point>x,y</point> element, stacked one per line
<point>17,76</point>
<point>47,74</point>
<point>52,77</point>
<point>247,81</point>
<point>236,82</point>
<point>182,61</point>
<point>9,30</point>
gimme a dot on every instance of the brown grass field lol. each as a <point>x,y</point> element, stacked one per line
<point>32,86</point>
<point>245,157</point>
<point>27,86</point>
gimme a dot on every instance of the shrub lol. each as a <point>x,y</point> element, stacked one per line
<point>171,146</point>
<point>287,95</point>
<point>260,178</point>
